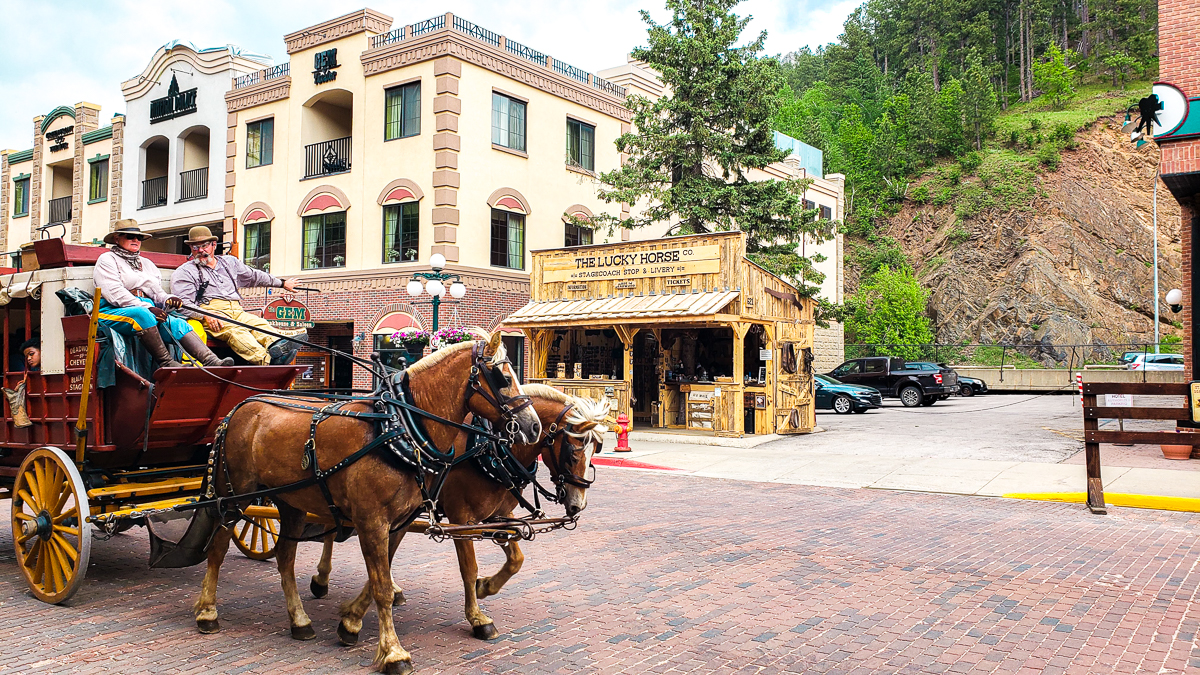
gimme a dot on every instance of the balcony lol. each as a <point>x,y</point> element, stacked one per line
<point>327,157</point>
<point>193,184</point>
<point>154,192</point>
<point>60,210</point>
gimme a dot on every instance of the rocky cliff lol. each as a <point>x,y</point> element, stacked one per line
<point>1071,265</point>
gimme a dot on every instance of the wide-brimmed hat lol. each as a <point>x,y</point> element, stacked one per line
<point>199,235</point>
<point>127,226</point>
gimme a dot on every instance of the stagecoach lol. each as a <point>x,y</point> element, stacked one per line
<point>105,445</point>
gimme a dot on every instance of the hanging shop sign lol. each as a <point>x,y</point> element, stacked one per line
<point>635,264</point>
<point>323,66</point>
<point>175,104</point>
<point>287,313</point>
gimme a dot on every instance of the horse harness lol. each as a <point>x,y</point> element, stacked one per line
<point>402,433</point>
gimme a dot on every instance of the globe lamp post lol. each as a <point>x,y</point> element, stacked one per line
<point>434,284</point>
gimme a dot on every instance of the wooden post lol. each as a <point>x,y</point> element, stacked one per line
<point>626,334</point>
<point>739,369</point>
<point>539,350</point>
<point>1095,483</point>
<point>89,366</point>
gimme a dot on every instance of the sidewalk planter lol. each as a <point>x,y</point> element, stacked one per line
<point>1176,451</point>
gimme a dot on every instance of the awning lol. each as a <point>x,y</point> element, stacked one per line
<point>622,309</point>
<point>20,285</point>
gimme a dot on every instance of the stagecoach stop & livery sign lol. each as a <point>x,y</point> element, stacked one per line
<point>630,262</point>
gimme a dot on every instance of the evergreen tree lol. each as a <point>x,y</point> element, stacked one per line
<point>1054,77</point>
<point>978,101</point>
<point>951,137</point>
<point>690,150</point>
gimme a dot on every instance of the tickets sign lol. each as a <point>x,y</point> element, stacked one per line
<point>617,264</point>
<point>287,313</point>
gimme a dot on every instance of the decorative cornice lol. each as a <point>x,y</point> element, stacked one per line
<point>343,200</point>
<point>363,20</point>
<point>265,92</point>
<point>97,135</point>
<point>449,43</point>
<point>501,193</point>
<point>405,183</point>
<point>209,61</point>
<point>55,114</point>
<point>258,206</point>
<point>22,156</point>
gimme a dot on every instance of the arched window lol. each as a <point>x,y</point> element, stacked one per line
<point>509,209</point>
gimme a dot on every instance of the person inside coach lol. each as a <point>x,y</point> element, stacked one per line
<point>132,300</point>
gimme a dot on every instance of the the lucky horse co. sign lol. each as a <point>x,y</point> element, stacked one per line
<point>287,313</point>
<point>631,263</point>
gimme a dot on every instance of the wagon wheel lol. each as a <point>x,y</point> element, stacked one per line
<point>257,543</point>
<point>51,535</point>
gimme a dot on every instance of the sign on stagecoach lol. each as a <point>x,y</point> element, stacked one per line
<point>287,313</point>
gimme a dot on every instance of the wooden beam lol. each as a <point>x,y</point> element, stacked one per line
<point>1095,484</point>
<point>626,333</point>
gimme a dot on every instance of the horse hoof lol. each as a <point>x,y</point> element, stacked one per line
<point>303,632</point>
<point>346,637</point>
<point>208,627</point>
<point>486,631</point>
<point>398,599</point>
<point>398,668</point>
<point>318,590</point>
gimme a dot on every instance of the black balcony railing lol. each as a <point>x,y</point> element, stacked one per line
<point>193,184</point>
<point>154,192</point>
<point>321,159</point>
<point>60,210</point>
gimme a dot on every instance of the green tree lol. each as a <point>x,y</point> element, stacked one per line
<point>889,309</point>
<point>951,135</point>
<point>1122,66</point>
<point>1054,76</point>
<point>690,150</point>
<point>978,101</point>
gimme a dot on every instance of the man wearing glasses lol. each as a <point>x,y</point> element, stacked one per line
<point>212,281</point>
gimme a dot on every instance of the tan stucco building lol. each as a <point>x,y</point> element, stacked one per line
<point>67,185</point>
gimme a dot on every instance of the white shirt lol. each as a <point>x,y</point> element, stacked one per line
<point>116,279</point>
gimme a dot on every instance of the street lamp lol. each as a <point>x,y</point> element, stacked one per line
<point>432,283</point>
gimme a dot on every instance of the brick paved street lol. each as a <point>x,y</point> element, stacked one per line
<point>673,574</point>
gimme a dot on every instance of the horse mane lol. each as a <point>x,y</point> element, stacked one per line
<point>583,410</point>
<point>548,393</point>
<point>445,352</point>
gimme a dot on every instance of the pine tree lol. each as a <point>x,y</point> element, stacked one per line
<point>978,101</point>
<point>951,137</point>
<point>690,150</point>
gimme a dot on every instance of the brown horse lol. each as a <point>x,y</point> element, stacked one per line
<point>573,430</point>
<point>265,446</point>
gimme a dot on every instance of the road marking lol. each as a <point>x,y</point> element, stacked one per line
<point>1184,504</point>
<point>630,464</point>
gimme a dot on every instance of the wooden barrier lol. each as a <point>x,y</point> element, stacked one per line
<point>1093,437</point>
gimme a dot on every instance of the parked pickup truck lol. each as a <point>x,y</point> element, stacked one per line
<point>895,378</point>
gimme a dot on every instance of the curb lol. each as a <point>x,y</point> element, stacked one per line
<point>621,463</point>
<point>1161,503</point>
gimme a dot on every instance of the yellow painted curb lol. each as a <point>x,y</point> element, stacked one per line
<point>1184,504</point>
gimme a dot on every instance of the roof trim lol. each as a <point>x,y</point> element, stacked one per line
<point>98,135</point>
<point>55,114</point>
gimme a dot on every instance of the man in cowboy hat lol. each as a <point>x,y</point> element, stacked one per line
<point>132,300</point>
<point>212,282</point>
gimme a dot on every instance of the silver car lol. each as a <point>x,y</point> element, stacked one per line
<point>1157,362</point>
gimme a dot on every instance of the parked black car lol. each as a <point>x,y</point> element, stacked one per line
<point>969,386</point>
<point>914,384</point>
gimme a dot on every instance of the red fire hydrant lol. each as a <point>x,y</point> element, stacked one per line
<point>623,433</point>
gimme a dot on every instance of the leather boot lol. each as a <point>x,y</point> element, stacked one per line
<point>157,349</point>
<point>200,351</point>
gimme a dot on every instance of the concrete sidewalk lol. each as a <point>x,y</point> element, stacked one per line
<point>786,463</point>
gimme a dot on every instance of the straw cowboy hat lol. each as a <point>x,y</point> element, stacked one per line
<point>199,235</point>
<point>127,226</point>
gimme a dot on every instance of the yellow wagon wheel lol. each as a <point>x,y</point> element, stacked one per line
<point>51,535</point>
<point>257,541</point>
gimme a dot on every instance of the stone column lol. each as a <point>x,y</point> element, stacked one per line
<point>87,118</point>
<point>230,216</point>
<point>35,180</point>
<point>116,171</point>
<point>446,146</point>
<point>6,190</point>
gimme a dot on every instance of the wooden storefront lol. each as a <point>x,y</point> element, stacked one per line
<point>679,333</point>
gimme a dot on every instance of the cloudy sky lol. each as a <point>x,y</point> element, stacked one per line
<point>60,52</point>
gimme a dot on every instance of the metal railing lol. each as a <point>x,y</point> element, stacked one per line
<point>478,32</point>
<point>193,184</point>
<point>263,75</point>
<point>604,85</point>
<point>1042,355</point>
<point>570,71</point>
<point>154,192</point>
<point>428,25</point>
<point>388,38</point>
<point>524,52</point>
<point>326,157</point>
<point>60,210</point>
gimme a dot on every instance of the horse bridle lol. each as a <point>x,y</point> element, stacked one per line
<point>491,377</point>
<point>561,476</point>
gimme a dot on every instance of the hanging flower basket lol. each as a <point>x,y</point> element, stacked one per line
<point>450,336</point>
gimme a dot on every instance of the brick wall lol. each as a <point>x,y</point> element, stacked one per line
<point>1179,44</point>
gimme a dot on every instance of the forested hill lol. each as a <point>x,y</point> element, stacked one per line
<point>989,95</point>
